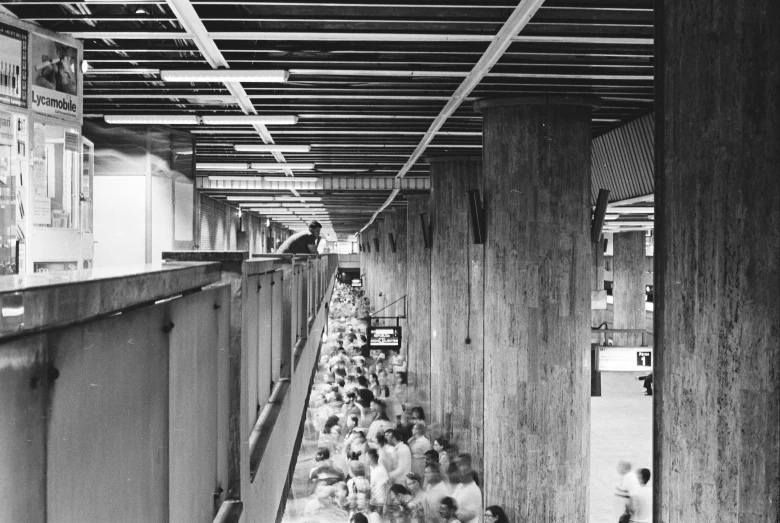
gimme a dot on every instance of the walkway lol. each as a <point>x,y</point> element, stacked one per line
<point>621,428</point>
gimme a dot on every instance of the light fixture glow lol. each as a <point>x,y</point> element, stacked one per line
<point>151,119</point>
<point>299,179</point>
<point>225,75</point>
<point>299,198</point>
<point>250,119</point>
<point>282,166</point>
<point>253,166</point>
<point>250,198</point>
<point>269,148</point>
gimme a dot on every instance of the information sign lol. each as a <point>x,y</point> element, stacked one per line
<point>357,283</point>
<point>384,338</point>
<point>625,359</point>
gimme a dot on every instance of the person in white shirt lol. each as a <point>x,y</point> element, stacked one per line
<point>641,505</point>
<point>379,482</point>
<point>402,457</point>
<point>435,491</point>
<point>469,499</point>
<point>628,484</point>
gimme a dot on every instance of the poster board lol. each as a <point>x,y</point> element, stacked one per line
<point>55,78</point>
<point>13,65</point>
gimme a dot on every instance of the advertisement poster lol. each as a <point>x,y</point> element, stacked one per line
<point>54,72</point>
<point>13,66</point>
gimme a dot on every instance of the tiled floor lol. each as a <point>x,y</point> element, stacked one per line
<point>621,428</point>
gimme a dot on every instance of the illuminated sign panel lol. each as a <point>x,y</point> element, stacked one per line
<point>384,338</point>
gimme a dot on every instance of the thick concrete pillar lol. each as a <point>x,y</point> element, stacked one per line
<point>456,304</point>
<point>628,288</point>
<point>717,261</point>
<point>397,260</point>
<point>537,306</point>
<point>418,301</point>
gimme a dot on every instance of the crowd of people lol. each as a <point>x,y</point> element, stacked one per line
<point>375,459</point>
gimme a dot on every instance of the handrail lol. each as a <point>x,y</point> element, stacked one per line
<point>265,424</point>
<point>229,511</point>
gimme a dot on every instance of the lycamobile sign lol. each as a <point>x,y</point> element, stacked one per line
<point>62,104</point>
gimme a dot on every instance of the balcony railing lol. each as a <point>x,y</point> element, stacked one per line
<point>131,395</point>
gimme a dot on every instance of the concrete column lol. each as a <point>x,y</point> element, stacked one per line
<point>418,301</point>
<point>628,288</point>
<point>456,304</point>
<point>717,261</point>
<point>397,262</point>
<point>537,306</point>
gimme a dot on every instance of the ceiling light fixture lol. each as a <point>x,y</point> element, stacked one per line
<point>225,75</point>
<point>250,119</point>
<point>253,166</point>
<point>263,148</point>
<point>299,179</point>
<point>192,119</point>
<point>151,119</point>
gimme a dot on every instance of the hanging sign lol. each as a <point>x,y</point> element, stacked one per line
<point>55,74</point>
<point>13,66</point>
<point>625,359</point>
<point>384,338</point>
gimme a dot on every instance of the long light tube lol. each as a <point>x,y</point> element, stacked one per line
<point>253,167</point>
<point>269,148</point>
<point>263,178</point>
<point>151,119</point>
<point>274,198</point>
<point>225,75</point>
<point>192,119</point>
<point>250,119</point>
<point>299,179</point>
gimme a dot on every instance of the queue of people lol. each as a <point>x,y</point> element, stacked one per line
<point>375,460</point>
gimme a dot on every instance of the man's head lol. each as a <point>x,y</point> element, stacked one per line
<point>464,463</point>
<point>373,456</point>
<point>432,473</point>
<point>643,475</point>
<point>322,454</point>
<point>399,493</point>
<point>315,228</point>
<point>392,436</point>
<point>447,508</point>
<point>431,458</point>
<point>623,467</point>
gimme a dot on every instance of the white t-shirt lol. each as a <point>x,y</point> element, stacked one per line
<point>469,499</point>
<point>379,480</point>
<point>642,504</point>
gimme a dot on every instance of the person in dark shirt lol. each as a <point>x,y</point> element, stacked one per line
<point>304,242</point>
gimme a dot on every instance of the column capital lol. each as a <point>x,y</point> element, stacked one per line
<point>593,101</point>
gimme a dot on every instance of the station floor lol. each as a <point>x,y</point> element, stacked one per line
<point>621,428</point>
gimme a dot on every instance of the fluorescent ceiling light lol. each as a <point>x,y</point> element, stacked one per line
<point>262,179</point>
<point>151,119</point>
<point>300,179</point>
<point>299,198</point>
<point>263,148</point>
<point>282,166</point>
<point>253,166</point>
<point>250,198</point>
<point>225,75</point>
<point>250,119</point>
